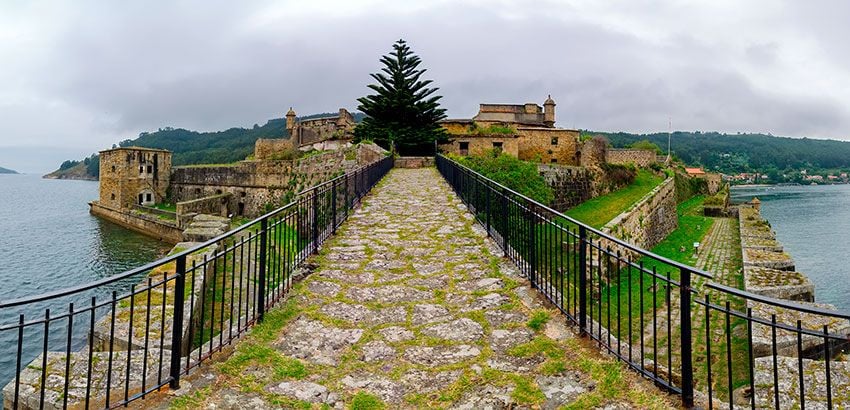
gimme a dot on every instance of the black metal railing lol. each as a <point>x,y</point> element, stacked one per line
<point>99,345</point>
<point>713,344</point>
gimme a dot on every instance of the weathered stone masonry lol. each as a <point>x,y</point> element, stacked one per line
<point>650,221</point>
<point>254,184</point>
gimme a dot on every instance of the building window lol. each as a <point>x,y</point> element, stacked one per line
<point>141,169</point>
<point>497,146</point>
<point>554,140</point>
<point>150,169</point>
<point>148,197</point>
<point>464,147</point>
<point>197,190</point>
<point>113,168</point>
<point>554,160</point>
<point>218,192</point>
<point>113,196</point>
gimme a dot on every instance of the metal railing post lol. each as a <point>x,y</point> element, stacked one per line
<point>582,280</point>
<point>261,272</point>
<point>333,207</point>
<point>687,338</point>
<point>505,221</point>
<point>487,206</point>
<point>532,248</point>
<point>315,222</point>
<point>177,328</point>
<point>347,206</point>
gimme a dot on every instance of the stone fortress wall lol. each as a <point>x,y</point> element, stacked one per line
<point>133,178</point>
<point>253,185</point>
<point>770,272</point>
<point>649,221</point>
<point>133,175</point>
<point>268,149</point>
<point>638,157</point>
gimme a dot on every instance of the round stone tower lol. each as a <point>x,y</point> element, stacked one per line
<point>549,112</point>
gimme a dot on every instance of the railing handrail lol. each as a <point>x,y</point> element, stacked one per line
<point>591,229</point>
<point>710,284</point>
<point>171,258</point>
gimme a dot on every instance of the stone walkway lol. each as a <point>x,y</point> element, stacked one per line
<point>411,306</point>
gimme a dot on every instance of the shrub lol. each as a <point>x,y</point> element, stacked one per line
<point>517,175</point>
<point>620,175</point>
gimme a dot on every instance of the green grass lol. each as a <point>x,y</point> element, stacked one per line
<point>366,401</point>
<point>166,207</point>
<point>538,320</point>
<point>692,228</point>
<point>628,286</point>
<point>600,210</point>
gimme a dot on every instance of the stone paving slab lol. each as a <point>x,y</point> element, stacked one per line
<point>411,306</point>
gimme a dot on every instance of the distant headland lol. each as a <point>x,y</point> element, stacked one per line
<point>7,171</point>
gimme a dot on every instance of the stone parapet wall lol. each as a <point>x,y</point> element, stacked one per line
<point>211,205</point>
<point>570,185</point>
<point>414,162</point>
<point>770,272</point>
<point>267,149</point>
<point>150,225</point>
<point>639,157</point>
<point>650,220</point>
<point>253,186</point>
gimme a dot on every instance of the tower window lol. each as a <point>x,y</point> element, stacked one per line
<point>113,196</point>
<point>554,140</point>
<point>497,146</point>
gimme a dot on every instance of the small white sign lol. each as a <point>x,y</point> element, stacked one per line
<point>696,245</point>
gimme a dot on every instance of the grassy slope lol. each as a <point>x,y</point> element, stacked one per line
<point>598,211</point>
<point>692,228</point>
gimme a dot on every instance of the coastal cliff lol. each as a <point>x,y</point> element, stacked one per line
<point>78,172</point>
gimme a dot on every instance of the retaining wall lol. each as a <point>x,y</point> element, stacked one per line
<point>150,225</point>
<point>650,220</point>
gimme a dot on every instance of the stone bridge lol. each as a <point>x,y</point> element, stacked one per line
<point>410,305</point>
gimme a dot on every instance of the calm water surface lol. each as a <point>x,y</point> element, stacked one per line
<point>813,223</point>
<point>48,241</point>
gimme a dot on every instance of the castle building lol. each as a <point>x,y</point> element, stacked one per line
<point>321,133</point>
<point>133,176</point>
<point>526,131</point>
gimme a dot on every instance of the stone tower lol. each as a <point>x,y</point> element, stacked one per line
<point>290,120</point>
<point>549,112</point>
<point>133,176</point>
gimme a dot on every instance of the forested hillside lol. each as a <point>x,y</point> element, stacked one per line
<point>192,147</point>
<point>733,153</point>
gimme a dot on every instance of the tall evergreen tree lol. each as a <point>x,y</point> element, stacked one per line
<point>404,112</point>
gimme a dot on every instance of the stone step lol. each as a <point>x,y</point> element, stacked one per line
<point>768,259</point>
<point>786,341</point>
<point>780,284</point>
<point>814,383</point>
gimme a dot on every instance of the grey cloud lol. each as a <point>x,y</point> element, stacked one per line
<point>121,68</point>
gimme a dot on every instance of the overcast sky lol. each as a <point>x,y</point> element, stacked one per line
<point>79,76</point>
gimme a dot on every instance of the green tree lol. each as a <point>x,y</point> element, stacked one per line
<point>647,145</point>
<point>404,112</point>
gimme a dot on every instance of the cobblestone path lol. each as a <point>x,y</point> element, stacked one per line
<point>720,252</point>
<point>411,306</point>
